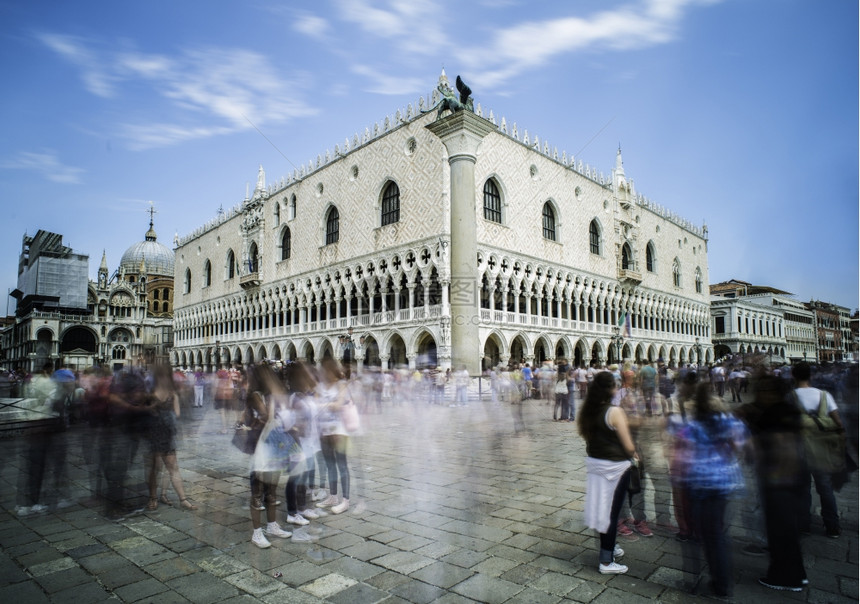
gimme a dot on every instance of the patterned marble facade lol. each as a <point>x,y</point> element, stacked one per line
<point>351,255</point>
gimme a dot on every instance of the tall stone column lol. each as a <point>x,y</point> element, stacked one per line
<point>462,133</point>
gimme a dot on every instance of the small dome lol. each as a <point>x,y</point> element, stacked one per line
<point>159,258</point>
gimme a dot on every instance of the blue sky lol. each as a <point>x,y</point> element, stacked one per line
<point>739,113</point>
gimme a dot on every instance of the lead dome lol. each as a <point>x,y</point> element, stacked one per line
<point>158,258</point>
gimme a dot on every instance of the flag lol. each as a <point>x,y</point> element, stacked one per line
<point>624,324</point>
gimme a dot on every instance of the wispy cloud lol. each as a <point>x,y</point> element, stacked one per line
<point>212,91</point>
<point>516,49</point>
<point>312,26</point>
<point>415,26</point>
<point>380,83</point>
<point>46,164</point>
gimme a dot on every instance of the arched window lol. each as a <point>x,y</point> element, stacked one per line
<point>207,274</point>
<point>391,204</point>
<point>155,307</point>
<point>594,237</point>
<point>253,259</point>
<point>676,273</point>
<point>698,280</point>
<point>548,221</point>
<point>492,202</point>
<point>650,258</point>
<point>332,226</point>
<point>626,257</point>
<point>187,283</point>
<point>231,264</point>
<point>286,244</point>
<point>155,295</point>
<point>118,353</point>
<point>292,207</point>
<point>165,294</point>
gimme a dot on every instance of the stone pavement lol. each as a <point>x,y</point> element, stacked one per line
<point>452,507</point>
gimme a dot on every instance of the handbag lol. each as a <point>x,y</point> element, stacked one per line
<point>823,439</point>
<point>245,438</point>
<point>634,487</point>
<point>350,417</point>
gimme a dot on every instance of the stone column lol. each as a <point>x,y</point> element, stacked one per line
<point>462,133</point>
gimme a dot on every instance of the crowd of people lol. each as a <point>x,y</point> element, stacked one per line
<point>652,433</point>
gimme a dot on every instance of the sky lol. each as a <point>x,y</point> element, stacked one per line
<point>742,114</point>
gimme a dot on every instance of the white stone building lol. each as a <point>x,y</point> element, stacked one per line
<point>361,239</point>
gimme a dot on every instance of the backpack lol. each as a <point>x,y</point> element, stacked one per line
<point>823,438</point>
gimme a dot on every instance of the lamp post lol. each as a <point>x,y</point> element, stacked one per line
<point>698,353</point>
<point>217,355</point>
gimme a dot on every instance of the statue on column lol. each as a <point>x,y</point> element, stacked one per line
<point>449,100</point>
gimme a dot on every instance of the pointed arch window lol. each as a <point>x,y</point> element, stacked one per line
<point>492,202</point>
<point>253,259</point>
<point>231,264</point>
<point>391,204</point>
<point>207,274</point>
<point>332,226</point>
<point>286,244</point>
<point>676,273</point>
<point>594,237</point>
<point>626,257</point>
<point>650,258</point>
<point>548,221</point>
<point>292,207</point>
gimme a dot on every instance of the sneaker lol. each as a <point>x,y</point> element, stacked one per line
<point>310,514</point>
<point>65,503</point>
<point>257,504</point>
<point>302,536</point>
<point>297,519</point>
<point>39,508</point>
<point>683,538</point>
<point>23,510</point>
<point>832,534</point>
<point>613,568</point>
<point>319,495</point>
<point>641,527</point>
<point>767,583</point>
<point>259,539</point>
<point>617,552</point>
<point>341,507</point>
<point>274,529</point>
<point>328,502</point>
<point>624,530</point>
<point>359,507</point>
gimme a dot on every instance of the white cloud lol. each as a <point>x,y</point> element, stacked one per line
<point>212,91</point>
<point>516,49</point>
<point>415,26</point>
<point>311,25</point>
<point>47,164</point>
<point>379,83</point>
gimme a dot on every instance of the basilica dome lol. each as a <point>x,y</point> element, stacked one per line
<point>159,258</point>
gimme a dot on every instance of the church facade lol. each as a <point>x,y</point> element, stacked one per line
<point>120,320</point>
<point>351,257</point>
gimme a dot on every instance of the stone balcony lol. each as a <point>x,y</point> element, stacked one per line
<point>629,276</point>
<point>249,280</point>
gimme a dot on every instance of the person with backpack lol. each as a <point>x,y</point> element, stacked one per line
<point>810,400</point>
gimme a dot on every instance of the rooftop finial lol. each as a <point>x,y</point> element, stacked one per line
<point>150,234</point>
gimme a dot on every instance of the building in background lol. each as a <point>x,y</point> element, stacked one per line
<point>749,320</point>
<point>355,255</point>
<point>833,326</point>
<point>63,318</point>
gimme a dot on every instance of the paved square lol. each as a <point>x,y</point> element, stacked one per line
<point>448,505</point>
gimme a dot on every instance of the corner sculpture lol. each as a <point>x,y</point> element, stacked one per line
<point>449,100</point>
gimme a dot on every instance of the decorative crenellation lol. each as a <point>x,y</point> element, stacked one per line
<point>410,114</point>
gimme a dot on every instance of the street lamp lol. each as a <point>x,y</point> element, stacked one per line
<point>217,355</point>
<point>698,353</point>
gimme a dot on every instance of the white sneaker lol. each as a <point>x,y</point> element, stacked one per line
<point>310,514</point>
<point>617,552</point>
<point>319,495</point>
<point>328,502</point>
<point>39,508</point>
<point>259,539</point>
<point>23,510</point>
<point>341,507</point>
<point>297,519</point>
<point>302,536</point>
<point>613,568</point>
<point>274,529</point>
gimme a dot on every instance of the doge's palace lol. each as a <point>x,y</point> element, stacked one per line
<point>446,239</point>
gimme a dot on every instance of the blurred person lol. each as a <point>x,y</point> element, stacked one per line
<point>199,380</point>
<point>224,399</point>
<point>461,381</point>
<point>648,384</point>
<point>528,378</point>
<point>809,399</point>
<point>679,410</point>
<point>713,439</point>
<point>560,411</point>
<point>718,379</point>
<point>265,391</point>
<point>581,378</point>
<point>302,385</point>
<point>332,395</point>
<point>164,400</point>
<point>735,378</point>
<point>610,456</point>
<point>775,424</point>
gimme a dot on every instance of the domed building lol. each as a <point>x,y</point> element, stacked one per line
<point>122,319</point>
